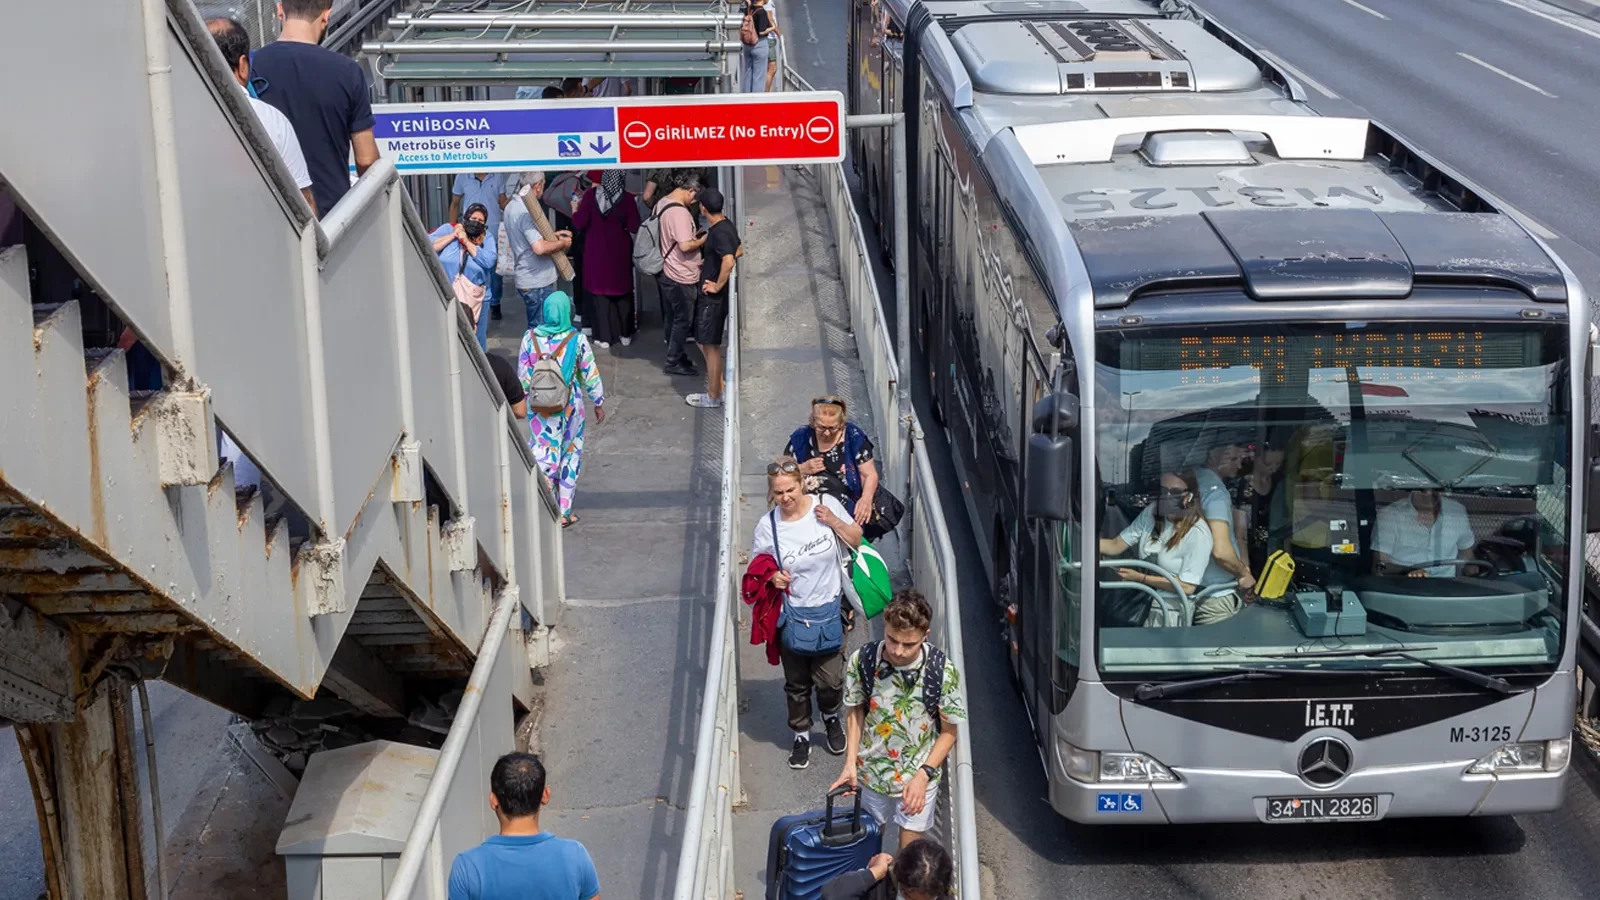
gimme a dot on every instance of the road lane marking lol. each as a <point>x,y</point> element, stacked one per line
<point>1299,75</point>
<point>1549,18</point>
<point>1367,9</point>
<point>1504,74</point>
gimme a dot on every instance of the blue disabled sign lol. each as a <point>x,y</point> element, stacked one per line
<point>1112,803</point>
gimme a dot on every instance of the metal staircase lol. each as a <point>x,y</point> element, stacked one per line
<point>401,501</point>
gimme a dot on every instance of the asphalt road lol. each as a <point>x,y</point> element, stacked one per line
<point>1530,149</point>
<point>1501,90</point>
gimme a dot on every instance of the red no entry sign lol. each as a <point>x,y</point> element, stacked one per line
<point>733,130</point>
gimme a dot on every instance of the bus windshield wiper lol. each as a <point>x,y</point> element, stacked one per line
<point>1489,682</point>
<point>1160,689</point>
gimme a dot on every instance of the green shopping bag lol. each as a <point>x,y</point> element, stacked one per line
<point>869,574</point>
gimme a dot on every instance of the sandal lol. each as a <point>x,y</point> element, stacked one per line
<point>569,520</point>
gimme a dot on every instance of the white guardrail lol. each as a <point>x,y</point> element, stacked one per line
<point>705,859</point>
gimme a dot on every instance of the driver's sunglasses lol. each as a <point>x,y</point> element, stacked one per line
<point>1174,492</point>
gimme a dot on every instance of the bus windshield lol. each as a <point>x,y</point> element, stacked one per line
<point>1271,489</point>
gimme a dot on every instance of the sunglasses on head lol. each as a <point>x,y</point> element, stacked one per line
<point>787,466</point>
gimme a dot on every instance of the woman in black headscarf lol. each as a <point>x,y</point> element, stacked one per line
<point>607,217</point>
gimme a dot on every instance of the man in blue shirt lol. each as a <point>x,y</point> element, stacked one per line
<point>522,862</point>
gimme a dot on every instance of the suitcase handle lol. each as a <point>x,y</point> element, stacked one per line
<point>839,834</point>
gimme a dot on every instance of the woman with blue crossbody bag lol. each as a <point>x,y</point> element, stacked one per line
<point>803,533</point>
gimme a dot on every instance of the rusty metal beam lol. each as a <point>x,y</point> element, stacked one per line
<point>361,679</point>
<point>132,623</point>
<point>36,666</point>
<point>51,583</point>
<point>94,602</point>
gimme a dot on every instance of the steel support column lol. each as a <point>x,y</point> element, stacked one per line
<point>88,799</point>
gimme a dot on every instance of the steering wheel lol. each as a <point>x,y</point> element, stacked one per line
<point>1486,569</point>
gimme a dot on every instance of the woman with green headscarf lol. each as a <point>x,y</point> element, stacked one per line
<point>558,432</point>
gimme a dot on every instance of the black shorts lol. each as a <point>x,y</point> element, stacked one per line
<point>710,319</point>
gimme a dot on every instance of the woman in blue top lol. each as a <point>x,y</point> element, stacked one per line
<point>557,440</point>
<point>835,457</point>
<point>465,250</point>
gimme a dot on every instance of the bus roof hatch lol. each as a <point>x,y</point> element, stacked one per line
<point>1314,253</point>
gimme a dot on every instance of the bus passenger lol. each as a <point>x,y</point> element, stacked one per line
<point>1216,505</point>
<point>1165,534</point>
<point>1422,528</point>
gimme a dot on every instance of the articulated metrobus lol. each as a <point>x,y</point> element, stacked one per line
<point>1265,419</point>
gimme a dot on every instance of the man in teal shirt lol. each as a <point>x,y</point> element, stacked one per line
<point>522,862</point>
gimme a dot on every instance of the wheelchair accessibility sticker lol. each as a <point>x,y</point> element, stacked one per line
<point>1110,803</point>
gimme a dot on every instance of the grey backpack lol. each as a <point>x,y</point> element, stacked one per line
<point>548,390</point>
<point>647,253</point>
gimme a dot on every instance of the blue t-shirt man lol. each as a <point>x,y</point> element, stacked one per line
<point>524,867</point>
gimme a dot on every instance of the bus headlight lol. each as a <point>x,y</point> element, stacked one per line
<point>1525,756</point>
<point>1110,766</point>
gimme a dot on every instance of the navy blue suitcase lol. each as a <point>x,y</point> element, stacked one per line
<point>811,849</point>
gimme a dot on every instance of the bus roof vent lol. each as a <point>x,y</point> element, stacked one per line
<point>1195,148</point>
<point>1085,55</point>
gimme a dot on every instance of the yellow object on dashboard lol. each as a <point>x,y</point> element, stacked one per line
<point>1276,574</point>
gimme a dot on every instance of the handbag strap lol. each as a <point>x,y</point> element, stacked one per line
<point>777,554</point>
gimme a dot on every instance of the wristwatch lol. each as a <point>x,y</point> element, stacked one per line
<point>931,772</point>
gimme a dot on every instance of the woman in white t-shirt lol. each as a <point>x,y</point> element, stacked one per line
<point>802,533</point>
<point>1165,535</point>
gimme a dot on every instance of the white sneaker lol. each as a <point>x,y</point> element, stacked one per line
<point>602,345</point>
<point>702,401</point>
<point>626,341</point>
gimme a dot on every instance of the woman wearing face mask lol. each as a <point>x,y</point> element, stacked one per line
<point>1165,535</point>
<point>467,257</point>
<point>802,534</point>
<point>922,871</point>
<point>835,455</point>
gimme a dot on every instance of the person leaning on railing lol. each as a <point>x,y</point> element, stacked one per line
<point>922,871</point>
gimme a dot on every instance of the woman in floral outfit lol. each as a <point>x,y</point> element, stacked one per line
<point>557,440</point>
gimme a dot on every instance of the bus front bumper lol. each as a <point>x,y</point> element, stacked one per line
<point>1241,795</point>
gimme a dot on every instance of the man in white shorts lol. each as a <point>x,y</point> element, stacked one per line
<point>895,741</point>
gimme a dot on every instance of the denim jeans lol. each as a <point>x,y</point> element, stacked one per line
<point>534,301</point>
<point>754,77</point>
<point>491,298</point>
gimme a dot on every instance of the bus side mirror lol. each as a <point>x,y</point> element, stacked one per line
<point>1050,473</point>
<point>1051,465</point>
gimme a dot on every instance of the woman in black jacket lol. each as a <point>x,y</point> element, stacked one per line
<point>922,871</point>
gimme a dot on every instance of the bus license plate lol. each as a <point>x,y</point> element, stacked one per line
<point>1345,808</point>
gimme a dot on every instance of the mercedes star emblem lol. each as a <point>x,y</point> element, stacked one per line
<point>1324,761</point>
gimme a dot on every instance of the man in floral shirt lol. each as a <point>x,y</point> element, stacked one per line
<point>895,744</point>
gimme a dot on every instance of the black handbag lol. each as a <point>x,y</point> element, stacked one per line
<point>887,511</point>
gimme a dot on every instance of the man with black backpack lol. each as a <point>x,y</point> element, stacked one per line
<point>905,701</point>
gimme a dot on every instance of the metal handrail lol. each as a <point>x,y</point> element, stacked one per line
<point>409,866</point>
<point>715,778</point>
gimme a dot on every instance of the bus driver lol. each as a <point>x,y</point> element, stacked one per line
<point>1422,528</point>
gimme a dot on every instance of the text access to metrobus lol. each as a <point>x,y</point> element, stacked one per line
<point>619,132</point>
<point>1269,425</point>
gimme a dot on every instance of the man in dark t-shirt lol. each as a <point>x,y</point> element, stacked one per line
<point>717,257</point>
<point>324,95</point>
<point>505,372</point>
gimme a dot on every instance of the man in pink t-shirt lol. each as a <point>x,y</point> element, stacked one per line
<point>679,281</point>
